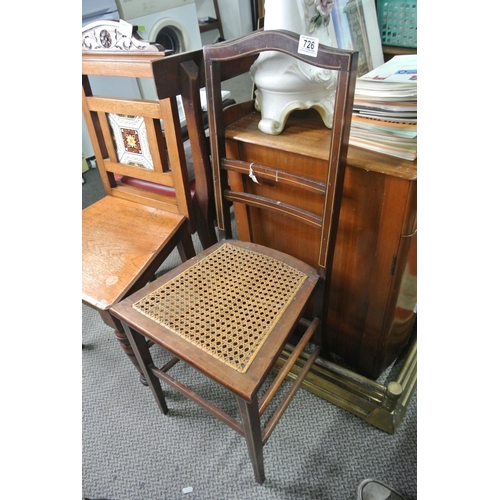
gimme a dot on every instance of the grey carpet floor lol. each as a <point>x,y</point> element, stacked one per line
<point>130,450</point>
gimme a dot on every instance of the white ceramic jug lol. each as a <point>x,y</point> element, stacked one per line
<point>283,83</point>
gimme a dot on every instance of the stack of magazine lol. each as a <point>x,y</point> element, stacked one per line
<point>385,109</point>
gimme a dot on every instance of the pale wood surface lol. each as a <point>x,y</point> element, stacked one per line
<point>307,136</point>
<point>115,249</point>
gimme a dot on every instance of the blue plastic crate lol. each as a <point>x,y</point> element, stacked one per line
<point>397,22</point>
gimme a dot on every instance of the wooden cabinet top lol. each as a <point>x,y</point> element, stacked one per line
<point>305,134</point>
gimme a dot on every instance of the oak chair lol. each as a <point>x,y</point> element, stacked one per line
<point>229,311</point>
<point>129,233</point>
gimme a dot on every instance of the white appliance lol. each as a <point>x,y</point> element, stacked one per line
<point>171,23</point>
<point>94,10</point>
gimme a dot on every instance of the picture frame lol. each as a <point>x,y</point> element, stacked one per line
<point>355,25</point>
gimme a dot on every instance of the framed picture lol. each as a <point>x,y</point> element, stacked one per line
<point>356,28</point>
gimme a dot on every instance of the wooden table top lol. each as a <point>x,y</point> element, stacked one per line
<point>305,134</point>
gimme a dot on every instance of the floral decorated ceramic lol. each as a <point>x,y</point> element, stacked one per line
<point>283,83</point>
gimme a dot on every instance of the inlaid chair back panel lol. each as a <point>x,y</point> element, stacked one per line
<point>135,146</point>
<point>133,137</point>
<point>261,186</point>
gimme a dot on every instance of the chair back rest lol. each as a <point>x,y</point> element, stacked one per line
<point>229,59</point>
<point>134,137</point>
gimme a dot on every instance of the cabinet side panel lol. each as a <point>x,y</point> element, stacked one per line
<point>402,302</point>
<point>372,214</point>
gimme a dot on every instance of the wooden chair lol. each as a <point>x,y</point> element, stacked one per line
<point>230,311</point>
<point>129,233</point>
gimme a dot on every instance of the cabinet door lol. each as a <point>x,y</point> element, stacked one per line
<point>377,210</point>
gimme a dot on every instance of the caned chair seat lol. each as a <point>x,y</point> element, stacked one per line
<point>221,310</point>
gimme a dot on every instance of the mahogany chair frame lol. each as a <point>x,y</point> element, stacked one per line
<point>150,314</point>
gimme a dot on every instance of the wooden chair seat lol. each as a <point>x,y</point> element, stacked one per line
<point>117,249</point>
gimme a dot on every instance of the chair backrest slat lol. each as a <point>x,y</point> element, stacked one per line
<point>262,202</point>
<point>273,174</point>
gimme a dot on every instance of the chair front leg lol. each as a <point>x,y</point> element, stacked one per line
<point>251,425</point>
<point>143,356</point>
<point>110,321</point>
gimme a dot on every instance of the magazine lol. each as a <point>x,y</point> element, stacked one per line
<point>401,70</point>
<point>385,109</point>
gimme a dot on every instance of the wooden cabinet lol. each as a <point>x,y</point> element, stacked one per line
<point>390,51</point>
<point>372,291</point>
<point>373,286</point>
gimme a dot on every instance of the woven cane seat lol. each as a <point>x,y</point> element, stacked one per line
<point>199,304</point>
